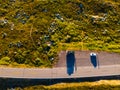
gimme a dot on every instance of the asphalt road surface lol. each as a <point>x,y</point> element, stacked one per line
<point>83,58</point>
<point>105,64</point>
<point>61,72</point>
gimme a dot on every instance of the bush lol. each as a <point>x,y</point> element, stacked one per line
<point>45,25</point>
<point>5,61</point>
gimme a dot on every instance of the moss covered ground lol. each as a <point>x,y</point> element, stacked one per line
<point>32,32</point>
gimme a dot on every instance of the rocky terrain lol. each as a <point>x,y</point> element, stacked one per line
<point>32,32</point>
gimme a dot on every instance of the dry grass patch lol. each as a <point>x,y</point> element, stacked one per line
<point>87,84</point>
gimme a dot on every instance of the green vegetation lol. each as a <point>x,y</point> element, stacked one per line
<point>32,32</point>
<point>97,87</point>
<point>100,85</point>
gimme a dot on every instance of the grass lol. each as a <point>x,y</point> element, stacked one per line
<point>42,28</point>
<point>95,45</point>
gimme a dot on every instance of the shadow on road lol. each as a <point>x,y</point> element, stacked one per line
<point>70,61</point>
<point>93,58</point>
<point>12,83</point>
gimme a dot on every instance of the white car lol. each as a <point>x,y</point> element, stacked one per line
<point>93,54</point>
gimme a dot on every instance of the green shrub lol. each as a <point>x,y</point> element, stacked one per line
<point>5,61</point>
<point>37,23</point>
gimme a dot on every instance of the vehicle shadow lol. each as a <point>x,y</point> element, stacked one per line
<point>94,60</point>
<point>70,61</point>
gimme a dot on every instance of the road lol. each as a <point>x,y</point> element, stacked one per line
<point>83,58</point>
<point>108,64</point>
<point>61,72</point>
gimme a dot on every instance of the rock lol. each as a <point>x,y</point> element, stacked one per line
<point>38,43</point>
<point>58,16</point>
<point>48,44</point>
<point>10,45</point>
<point>24,14</point>
<point>15,53</point>
<point>5,21</point>
<point>12,27</point>
<point>6,52</point>
<point>46,37</point>
<point>81,5</point>
<point>103,19</point>
<point>17,15</point>
<point>105,31</point>
<point>52,24</point>
<point>44,10</point>
<point>40,38</point>
<point>4,35</point>
<point>19,44</point>
<point>81,8</point>
<point>51,59</point>
<point>27,16</point>
<point>118,30</point>
<point>23,21</point>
